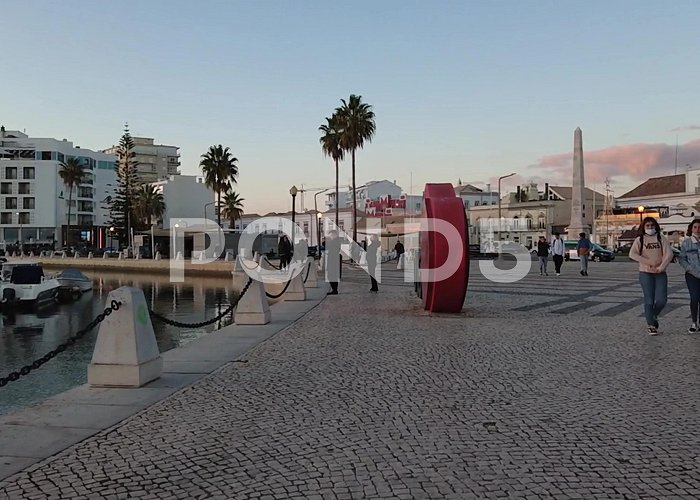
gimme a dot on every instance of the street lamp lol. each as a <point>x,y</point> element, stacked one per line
<point>21,243</point>
<point>318,233</point>
<point>640,209</point>
<point>499,209</point>
<point>293,191</point>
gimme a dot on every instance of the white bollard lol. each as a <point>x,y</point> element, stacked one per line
<point>401,263</point>
<point>75,256</point>
<point>90,256</point>
<point>296,290</point>
<point>104,255</point>
<point>253,308</point>
<point>31,254</point>
<point>312,279</point>
<point>178,256</point>
<point>126,352</point>
<point>229,256</point>
<point>63,255</point>
<point>121,256</point>
<point>158,256</point>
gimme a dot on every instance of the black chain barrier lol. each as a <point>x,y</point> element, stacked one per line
<point>211,321</point>
<point>308,271</point>
<point>278,295</point>
<point>272,265</point>
<point>25,370</point>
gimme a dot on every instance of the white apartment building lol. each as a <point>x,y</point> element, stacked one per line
<point>473,196</point>
<point>34,200</point>
<point>372,190</point>
<point>156,162</point>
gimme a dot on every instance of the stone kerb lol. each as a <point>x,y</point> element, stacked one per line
<point>126,352</point>
<point>296,290</point>
<point>253,308</point>
<point>312,280</point>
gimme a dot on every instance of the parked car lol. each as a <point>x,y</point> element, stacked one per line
<point>597,254</point>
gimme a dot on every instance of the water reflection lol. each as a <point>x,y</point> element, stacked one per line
<point>27,337</point>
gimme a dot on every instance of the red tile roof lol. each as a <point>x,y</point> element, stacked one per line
<point>668,184</point>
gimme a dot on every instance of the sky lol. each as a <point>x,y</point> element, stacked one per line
<point>461,89</point>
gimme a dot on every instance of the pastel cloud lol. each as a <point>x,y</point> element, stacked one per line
<point>636,162</point>
<point>686,128</point>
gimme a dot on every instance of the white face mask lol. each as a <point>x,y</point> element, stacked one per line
<point>650,232</point>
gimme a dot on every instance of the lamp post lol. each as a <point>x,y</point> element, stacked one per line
<point>499,209</point>
<point>21,243</point>
<point>318,233</point>
<point>640,209</point>
<point>111,236</point>
<point>293,191</point>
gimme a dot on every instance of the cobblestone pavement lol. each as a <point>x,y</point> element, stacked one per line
<point>524,395</point>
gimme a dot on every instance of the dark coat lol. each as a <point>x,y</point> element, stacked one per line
<point>542,248</point>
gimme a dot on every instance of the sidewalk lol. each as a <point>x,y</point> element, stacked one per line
<point>367,396</point>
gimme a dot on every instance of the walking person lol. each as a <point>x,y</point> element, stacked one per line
<point>654,254</point>
<point>543,255</point>
<point>557,253</point>
<point>372,253</point>
<point>333,261</point>
<point>583,249</point>
<point>690,261</point>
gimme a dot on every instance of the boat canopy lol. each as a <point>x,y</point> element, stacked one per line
<point>27,275</point>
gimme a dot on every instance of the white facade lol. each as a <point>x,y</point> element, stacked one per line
<point>155,162</point>
<point>33,198</point>
<point>187,196</point>
<point>373,190</point>
<point>472,196</point>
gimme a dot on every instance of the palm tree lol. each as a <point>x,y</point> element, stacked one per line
<point>72,174</point>
<point>331,146</point>
<point>220,171</point>
<point>358,126</point>
<point>149,203</point>
<point>233,207</point>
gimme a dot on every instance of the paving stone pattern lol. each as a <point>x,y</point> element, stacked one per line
<point>369,397</point>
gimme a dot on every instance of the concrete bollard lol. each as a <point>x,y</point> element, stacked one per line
<point>76,256</point>
<point>296,290</point>
<point>312,280</point>
<point>105,256</point>
<point>126,352</point>
<point>63,254</point>
<point>158,256</point>
<point>31,254</point>
<point>253,308</point>
<point>137,256</point>
<point>121,256</point>
<point>178,256</point>
<point>400,264</point>
<point>229,256</point>
<point>90,256</point>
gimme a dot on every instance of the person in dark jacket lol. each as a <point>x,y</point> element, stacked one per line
<point>399,249</point>
<point>333,261</point>
<point>372,253</point>
<point>690,262</point>
<point>543,255</point>
<point>284,249</point>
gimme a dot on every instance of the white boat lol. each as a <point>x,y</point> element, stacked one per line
<point>72,279</point>
<point>23,283</point>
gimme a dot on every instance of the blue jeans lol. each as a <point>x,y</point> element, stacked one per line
<point>694,289</point>
<point>655,288</point>
<point>584,263</point>
<point>543,264</point>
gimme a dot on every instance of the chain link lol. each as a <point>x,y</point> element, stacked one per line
<point>25,370</point>
<point>211,321</point>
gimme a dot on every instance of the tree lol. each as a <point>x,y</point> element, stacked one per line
<point>72,174</point>
<point>220,172</point>
<point>149,204</point>
<point>122,208</point>
<point>358,126</point>
<point>332,147</point>
<point>233,207</point>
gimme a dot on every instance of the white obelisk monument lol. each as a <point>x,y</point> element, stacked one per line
<point>579,211</point>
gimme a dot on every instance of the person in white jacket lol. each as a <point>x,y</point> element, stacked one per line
<point>557,250</point>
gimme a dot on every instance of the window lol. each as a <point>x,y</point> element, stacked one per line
<point>28,203</point>
<point>306,228</point>
<point>10,203</point>
<point>61,157</point>
<point>28,173</point>
<point>23,188</point>
<point>6,188</point>
<point>24,218</point>
<point>341,225</point>
<point>107,165</point>
<point>6,218</point>
<point>46,155</point>
<point>10,172</point>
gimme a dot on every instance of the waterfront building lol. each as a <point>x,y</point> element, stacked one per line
<point>378,198</point>
<point>155,162</point>
<point>34,200</point>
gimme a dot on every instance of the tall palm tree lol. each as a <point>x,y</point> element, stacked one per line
<point>72,174</point>
<point>220,171</point>
<point>332,147</point>
<point>150,204</point>
<point>233,207</point>
<point>358,126</point>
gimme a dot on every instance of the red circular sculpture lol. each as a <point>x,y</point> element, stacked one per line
<point>441,202</point>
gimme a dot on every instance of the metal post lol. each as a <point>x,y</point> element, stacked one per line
<point>499,211</point>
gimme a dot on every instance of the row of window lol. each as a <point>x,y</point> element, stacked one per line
<point>22,188</point>
<point>27,203</point>
<point>6,218</point>
<point>477,203</point>
<point>27,172</point>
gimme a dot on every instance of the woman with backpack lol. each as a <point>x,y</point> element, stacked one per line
<point>654,254</point>
<point>690,261</point>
